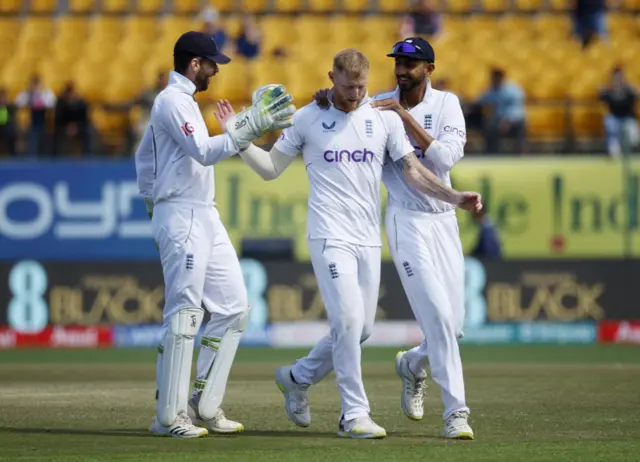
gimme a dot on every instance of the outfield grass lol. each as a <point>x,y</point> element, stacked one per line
<point>541,403</point>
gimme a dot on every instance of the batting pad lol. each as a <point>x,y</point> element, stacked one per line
<point>175,367</point>
<point>216,384</point>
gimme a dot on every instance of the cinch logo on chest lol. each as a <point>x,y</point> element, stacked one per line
<point>344,155</point>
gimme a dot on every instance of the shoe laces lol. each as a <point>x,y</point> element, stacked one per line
<point>416,389</point>
<point>184,420</point>
<point>301,401</point>
<point>458,415</point>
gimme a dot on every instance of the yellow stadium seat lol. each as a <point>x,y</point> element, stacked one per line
<point>106,28</point>
<point>224,5</point>
<point>494,6</point>
<point>586,121</point>
<point>10,6</point>
<point>554,26</point>
<point>322,5</point>
<point>631,5</point>
<point>149,6</point>
<point>37,28</point>
<point>82,6</point>
<point>393,6</point>
<point>548,122</point>
<point>560,5</point>
<point>356,5</point>
<point>623,26</point>
<point>255,6</point>
<point>286,6</point>
<point>43,6</point>
<point>277,32</point>
<point>460,6</point>
<point>548,87</point>
<point>529,5</point>
<point>186,6</point>
<point>383,30</point>
<point>232,83</point>
<point>140,28</point>
<point>115,6</point>
<point>109,122</point>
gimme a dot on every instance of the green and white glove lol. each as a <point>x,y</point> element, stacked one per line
<point>271,110</point>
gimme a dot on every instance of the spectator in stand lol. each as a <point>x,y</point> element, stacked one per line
<point>39,100</point>
<point>503,113</point>
<point>212,26</point>
<point>589,20</point>
<point>72,122</point>
<point>8,132</point>
<point>620,124</point>
<point>488,246</point>
<point>423,21</point>
<point>145,101</point>
<point>250,38</point>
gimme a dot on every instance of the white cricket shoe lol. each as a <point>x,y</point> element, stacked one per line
<point>456,427</point>
<point>413,389</point>
<point>218,424</point>
<point>296,399</point>
<point>360,427</point>
<point>181,428</point>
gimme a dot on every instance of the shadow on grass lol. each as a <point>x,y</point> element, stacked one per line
<point>140,432</point>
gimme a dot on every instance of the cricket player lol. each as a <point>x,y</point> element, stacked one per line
<point>200,266</point>
<point>344,150</point>
<point>423,235</point>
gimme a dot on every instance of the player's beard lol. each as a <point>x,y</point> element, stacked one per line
<point>201,81</point>
<point>408,85</point>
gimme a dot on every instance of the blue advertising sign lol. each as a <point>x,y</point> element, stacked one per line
<point>73,211</point>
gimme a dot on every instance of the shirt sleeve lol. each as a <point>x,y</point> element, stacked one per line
<point>448,147</point>
<point>145,158</point>
<point>183,124</point>
<point>398,143</point>
<point>291,140</point>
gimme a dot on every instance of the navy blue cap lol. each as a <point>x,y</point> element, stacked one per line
<point>201,45</point>
<point>414,48</point>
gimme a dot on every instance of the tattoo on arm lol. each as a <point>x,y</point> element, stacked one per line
<point>408,161</point>
<point>425,181</point>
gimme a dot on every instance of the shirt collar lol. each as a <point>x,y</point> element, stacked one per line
<point>427,94</point>
<point>182,83</point>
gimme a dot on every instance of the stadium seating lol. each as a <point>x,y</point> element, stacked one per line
<point>112,49</point>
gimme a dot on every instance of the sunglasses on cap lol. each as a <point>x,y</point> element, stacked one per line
<point>404,47</point>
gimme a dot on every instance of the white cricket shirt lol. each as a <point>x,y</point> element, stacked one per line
<point>175,157</point>
<point>344,153</point>
<point>440,114</point>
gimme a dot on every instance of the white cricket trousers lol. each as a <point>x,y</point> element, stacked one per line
<point>348,277</point>
<point>427,253</point>
<point>200,267</point>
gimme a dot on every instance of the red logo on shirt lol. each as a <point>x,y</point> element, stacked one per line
<point>187,129</point>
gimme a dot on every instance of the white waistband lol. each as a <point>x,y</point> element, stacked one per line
<point>423,215</point>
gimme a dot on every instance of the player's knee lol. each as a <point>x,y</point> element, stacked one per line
<point>348,325</point>
<point>185,321</point>
<point>367,329</point>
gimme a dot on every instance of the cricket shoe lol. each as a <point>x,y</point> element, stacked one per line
<point>361,428</point>
<point>296,398</point>
<point>456,427</point>
<point>181,428</point>
<point>218,424</point>
<point>413,389</point>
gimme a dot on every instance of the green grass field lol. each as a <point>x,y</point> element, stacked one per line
<point>529,403</point>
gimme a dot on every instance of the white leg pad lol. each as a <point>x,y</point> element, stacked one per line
<point>216,384</point>
<point>175,369</point>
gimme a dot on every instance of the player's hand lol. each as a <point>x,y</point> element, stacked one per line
<point>471,201</point>
<point>271,110</point>
<point>389,104</point>
<point>225,112</point>
<point>321,97</point>
<point>149,204</point>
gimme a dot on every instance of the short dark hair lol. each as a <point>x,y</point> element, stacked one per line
<point>181,62</point>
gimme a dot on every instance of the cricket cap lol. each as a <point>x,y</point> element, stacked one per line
<point>414,48</point>
<point>201,45</point>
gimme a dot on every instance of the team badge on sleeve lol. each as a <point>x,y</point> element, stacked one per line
<point>187,129</point>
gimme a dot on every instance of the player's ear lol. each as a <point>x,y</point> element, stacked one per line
<point>430,68</point>
<point>331,76</point>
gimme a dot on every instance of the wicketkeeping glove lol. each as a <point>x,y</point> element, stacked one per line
<point>271,110</point>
